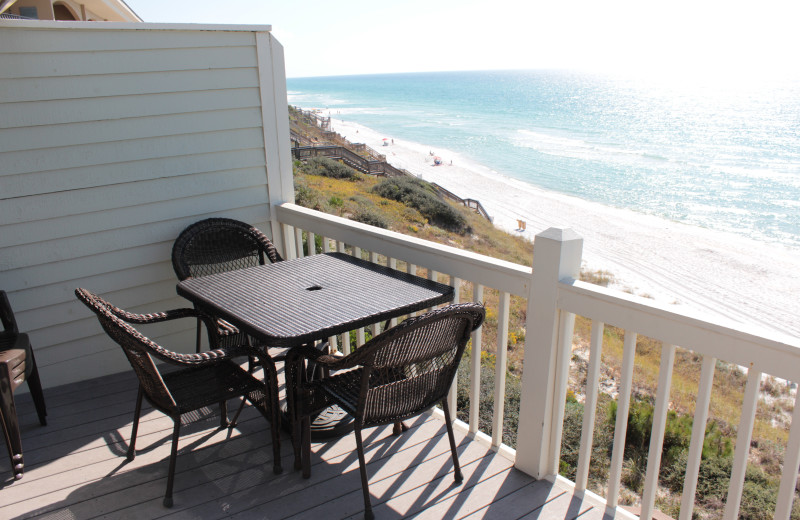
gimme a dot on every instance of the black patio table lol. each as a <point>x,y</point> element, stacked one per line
<point>297,302</point>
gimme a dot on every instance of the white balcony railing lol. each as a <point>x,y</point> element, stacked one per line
<point>554,297</point>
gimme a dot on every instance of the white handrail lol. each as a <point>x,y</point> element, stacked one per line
<point>554,298</point>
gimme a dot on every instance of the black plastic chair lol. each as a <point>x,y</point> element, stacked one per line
<point>394,376</point>
<point>17,364</point>
<point>203,379</point>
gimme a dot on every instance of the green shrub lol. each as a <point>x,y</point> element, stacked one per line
<point>328,168</point>
<point>420,196</point>
<point>306,196</point>
<point>373,218</point>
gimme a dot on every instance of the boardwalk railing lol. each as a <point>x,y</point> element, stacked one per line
<point>470,203</point>
<point>554,297</point>
<point>376,167</point>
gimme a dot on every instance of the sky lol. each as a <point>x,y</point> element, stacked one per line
<point>680,39</point>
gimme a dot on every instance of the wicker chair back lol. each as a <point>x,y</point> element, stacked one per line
<point>217,245</point>
<point>137,347</point>
<point>411,367</point>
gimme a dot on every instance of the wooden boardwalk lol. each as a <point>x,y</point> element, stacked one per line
<point>75,468</point>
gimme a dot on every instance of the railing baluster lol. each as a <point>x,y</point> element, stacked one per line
<point>698,436</point>
<point>742,450</point>
<point>298,238</point>
<point>566,331</point>
<point>345,336</point>
<point>289,248</point>
<point>590,406</point>
<point>623,404</point>
<point>326,248</point>
<point>311,243</point>
<point>500,369</point>
<point>360,336</point>
<point>412,269</point>
<point>475,368</point>
<point>658,428</point>
<point>452,396</point>
<point>376,327</point>
<point>791,461</point>
<point>433,276</point>
<point>393,265</point>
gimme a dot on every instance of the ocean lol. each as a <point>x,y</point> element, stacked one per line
<point>723,157</point>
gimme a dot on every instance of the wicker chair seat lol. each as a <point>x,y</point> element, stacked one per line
<point>194,388</point>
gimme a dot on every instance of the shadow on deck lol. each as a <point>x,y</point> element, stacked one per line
<point>75,467</point>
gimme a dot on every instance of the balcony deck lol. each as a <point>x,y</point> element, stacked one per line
<point>75,468</point>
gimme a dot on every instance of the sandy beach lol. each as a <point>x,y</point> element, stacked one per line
<point>716,273</point>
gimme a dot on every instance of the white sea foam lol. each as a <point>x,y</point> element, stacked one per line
<point>714,272</point>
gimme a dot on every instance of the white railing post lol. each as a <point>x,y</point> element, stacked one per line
<point>556,255</point>
<point>275,123</point>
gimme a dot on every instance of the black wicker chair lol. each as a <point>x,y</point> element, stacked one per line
<point>203,379</point>
<point>396,375</point>
<point>218,245</point>
<point>17,364</point>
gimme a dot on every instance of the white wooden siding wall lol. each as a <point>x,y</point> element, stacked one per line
<point>111,142</point>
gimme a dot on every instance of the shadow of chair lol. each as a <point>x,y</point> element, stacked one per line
<point>396,375</point>
<point>17,364</point>
<point>201,379</point>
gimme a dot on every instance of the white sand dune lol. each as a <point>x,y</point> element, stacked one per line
<point>717,273</point>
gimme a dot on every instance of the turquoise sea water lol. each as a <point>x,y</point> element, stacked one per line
<point>725,157</point>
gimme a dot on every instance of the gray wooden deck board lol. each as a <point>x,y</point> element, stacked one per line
<point>75,467</point>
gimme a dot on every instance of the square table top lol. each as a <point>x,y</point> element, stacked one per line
<point>293,302</point>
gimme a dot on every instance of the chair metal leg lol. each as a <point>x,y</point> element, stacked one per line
<point>223,414</point>
<point>293,404</point>
<point>135,429</point>
<point>368,515</point>
<point>399,427</point>
<point>275,421</point>
<point>8,413</point>
<point>232,422</point>
<point>305,441</point>
<point>35,386</point>
<point>172,458</point>
<point>457,473</point>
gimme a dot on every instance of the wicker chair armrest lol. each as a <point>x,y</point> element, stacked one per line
<point>202,358</point>
<point>154,317</point>
<point>213,328</point>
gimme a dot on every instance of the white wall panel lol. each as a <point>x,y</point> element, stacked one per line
<point>59,111</point>
<point>78,87</point>
<point>112,141</point>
